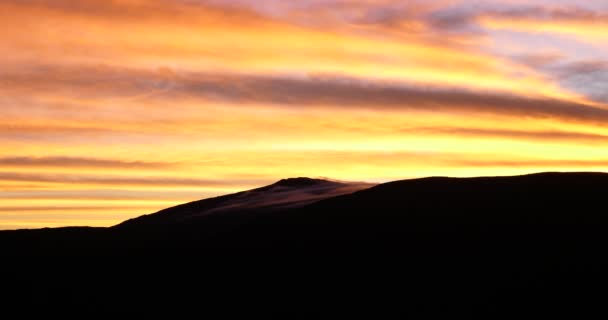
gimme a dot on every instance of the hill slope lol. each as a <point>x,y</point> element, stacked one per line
<point>492,245</point>
<point>284,194</point>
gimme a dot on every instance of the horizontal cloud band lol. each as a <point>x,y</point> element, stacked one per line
<point>285,91</point>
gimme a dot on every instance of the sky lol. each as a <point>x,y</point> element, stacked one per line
<point>110,109</point>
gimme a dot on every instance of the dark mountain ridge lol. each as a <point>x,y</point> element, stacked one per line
<point>530,244</point>
<point>291,211</point>
<point>284,194</point>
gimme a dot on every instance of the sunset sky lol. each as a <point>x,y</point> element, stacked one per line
<point>110,109</point>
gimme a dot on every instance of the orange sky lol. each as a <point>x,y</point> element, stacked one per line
<point>113,109</point>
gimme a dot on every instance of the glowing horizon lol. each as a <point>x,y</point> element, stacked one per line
<point>114,109</point>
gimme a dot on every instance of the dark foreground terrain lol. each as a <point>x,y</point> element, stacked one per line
<point>531,245</point>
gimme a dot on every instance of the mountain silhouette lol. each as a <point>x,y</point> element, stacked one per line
<point>284,194</point>
<point>531,244</point>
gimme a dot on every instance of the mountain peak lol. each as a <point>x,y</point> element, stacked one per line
<point>302,182</point>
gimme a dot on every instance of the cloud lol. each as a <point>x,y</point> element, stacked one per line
<point>450,20</point>
<point>353,93</point>
<point>578,67</point>
<point>308,91</point>
<point>532,163</point>
<point>480,18</point>
<point>106,194</point>
<point>144,10</point>
<point>543,136</point>
<point>204,37</point>
<point>544,13</point>
<point>539,60</point>
<point>54,129</point>
<point>580,24</point>
<point>76,162</point>
<point>109,180</point>
<point>75,208</point>
<point>394,20</point>
<point>589,77</point>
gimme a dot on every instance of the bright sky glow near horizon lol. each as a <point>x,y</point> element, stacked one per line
<point>110,109</point>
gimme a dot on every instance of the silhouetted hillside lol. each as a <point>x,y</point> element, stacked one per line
<point>284,194</point>
<point>492,246</point>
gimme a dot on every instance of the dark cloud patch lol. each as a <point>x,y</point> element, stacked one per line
<point>570,13</point>
<point>587,77</point>
<point>386,19</point>
<point>340,93</point>
<point>466,15</point>
<point>579,67</point>
<point>450,20</point>
<point>381,16</point>
<point>463,18</point>
<point>538,60</point>
<point>454,20</point>
<point>390,13</point>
